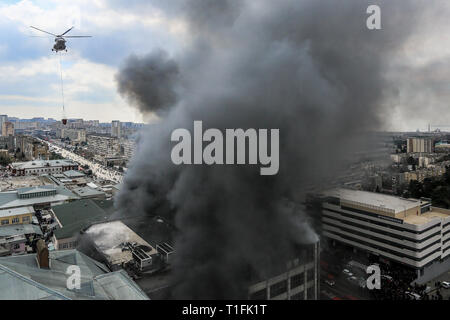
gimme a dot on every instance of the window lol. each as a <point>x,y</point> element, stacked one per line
<point>65,246</point>
<point>6,221</point>
<point>16,246</point>
<point>310,294</point>
<point>298,296</point>
<point>278,288</point>
<point>15,220</point>
<point>259,295</point>
<point>310,275</point>
<point>297,280</point>
<point>25,219</point>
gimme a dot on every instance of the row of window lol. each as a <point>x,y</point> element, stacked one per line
<point>38,194</point>
<point>390,234</point>
<point>404,229</point>
<point>68,245</point>
<point>394,235</point>
<point>15,220</point>
<point>373,246</point>
<point>378,237</point>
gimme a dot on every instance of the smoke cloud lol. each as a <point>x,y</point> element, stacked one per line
<point>149,82</point>
<point>308,68</point>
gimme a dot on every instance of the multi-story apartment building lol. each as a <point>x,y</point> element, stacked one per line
<point>129,147</point>
<point>409,232</point>
<point>7,129</point>
<point>299,279</point>
<point>104,146</point>
<point>422,145</point>
<point>75,135</point>
<point>116,129</point>
<point>422,174</point>
<point>3,119</point>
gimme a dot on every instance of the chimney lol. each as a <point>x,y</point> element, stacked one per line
<point>42,255</point>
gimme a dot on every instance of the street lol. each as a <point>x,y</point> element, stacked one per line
<point>97,169</point>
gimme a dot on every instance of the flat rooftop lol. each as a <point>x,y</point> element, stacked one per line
<point>87,192</point>
<point>435,213</point>
<point>42,163</point>
<point>16,211</point>
<point>108,237</point>
<point>377,200</point>
<point>10,199</point>
<point>13,183</point>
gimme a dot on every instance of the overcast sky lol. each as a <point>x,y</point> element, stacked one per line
<point>29,70</point>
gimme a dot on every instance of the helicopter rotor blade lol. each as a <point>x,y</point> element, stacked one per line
<point>44,31</point>
<point>66,31</point>
<point>77,36</point>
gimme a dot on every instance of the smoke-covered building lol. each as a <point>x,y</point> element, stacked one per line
<point>298,279</point>
<point>117,245</point>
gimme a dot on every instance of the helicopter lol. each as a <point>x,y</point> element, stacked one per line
<point>60,40</point>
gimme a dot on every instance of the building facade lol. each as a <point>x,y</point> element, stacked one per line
<point>116,129</point>
<point>299,281</point>
<point>104,146</point>
<point>13,216</point>
<point>422,145</point>
<point>7,129</point>
<point>42,167</point>
<point>406,231</point>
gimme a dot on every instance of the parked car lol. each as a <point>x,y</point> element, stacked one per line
<point>445,284</point>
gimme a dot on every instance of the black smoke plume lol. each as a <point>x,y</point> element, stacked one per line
<point>156,71</point>
<point>311,69</point>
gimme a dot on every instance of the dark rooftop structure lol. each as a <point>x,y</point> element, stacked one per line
<point>78,215</point>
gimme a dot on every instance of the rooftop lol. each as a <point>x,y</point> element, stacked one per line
<point>10,199</point>
<point>22,279</point>
<point>16,211</point>
<point>371,199</point>
<point>73,174</point>
<point>13,183</point>
<point>435,213</point>
<point>42,163</point>
<point>108,238</point>
<point>85,192</point>
<point>77,215</point>
<point>19,229</point>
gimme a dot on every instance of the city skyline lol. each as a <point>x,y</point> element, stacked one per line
<point>30,75</point>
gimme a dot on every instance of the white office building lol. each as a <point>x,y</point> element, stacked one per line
<point>407,231</point>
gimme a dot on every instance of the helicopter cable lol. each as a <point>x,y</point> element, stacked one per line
<point>62,83</point>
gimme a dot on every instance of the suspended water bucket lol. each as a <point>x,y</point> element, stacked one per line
<point>64,121</point>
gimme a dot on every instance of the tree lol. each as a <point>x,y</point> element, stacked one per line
<point>415,189</point>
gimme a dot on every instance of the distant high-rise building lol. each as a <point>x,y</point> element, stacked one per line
<point>7,129</point>
<point>3,118</point>
<point>423,145</point>
<point>115,129</point>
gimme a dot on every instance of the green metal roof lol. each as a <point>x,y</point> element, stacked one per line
<point>77,215</point>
